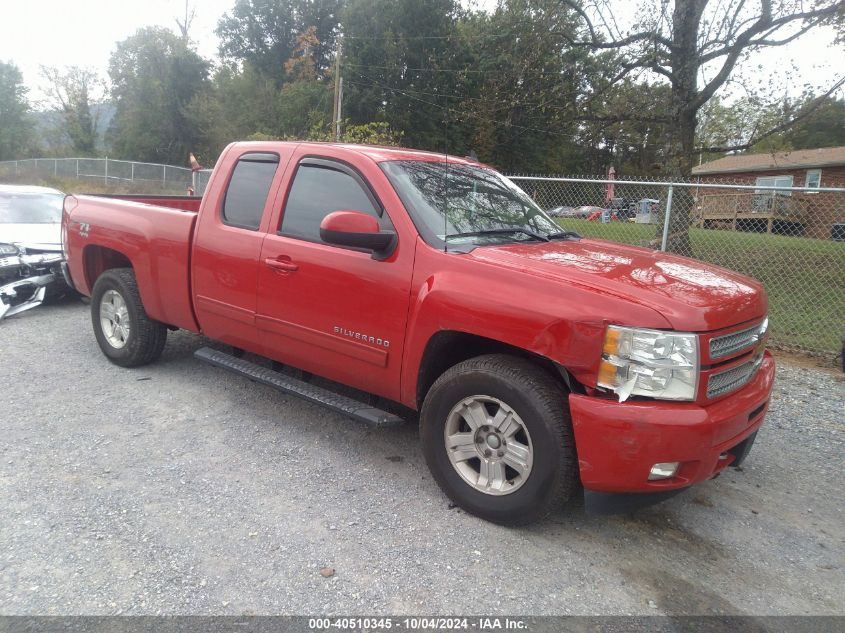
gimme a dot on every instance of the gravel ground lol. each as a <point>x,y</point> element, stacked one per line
<point>180,489</point>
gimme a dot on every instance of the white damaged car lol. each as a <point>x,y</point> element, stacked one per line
<point>30,247</point>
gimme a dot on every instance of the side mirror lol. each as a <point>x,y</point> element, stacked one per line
<point>357,230</point>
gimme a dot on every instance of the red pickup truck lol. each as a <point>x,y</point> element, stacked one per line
<point>541,364</point>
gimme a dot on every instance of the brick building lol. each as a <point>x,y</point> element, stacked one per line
<point>808,213</point>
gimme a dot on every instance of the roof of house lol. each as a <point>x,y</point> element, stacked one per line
<point>799,158</point>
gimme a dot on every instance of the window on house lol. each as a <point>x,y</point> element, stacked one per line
<point>774,181</point>
<point>814,179</point>
<point>764,198</point>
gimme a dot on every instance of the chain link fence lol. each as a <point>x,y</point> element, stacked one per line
<point>107,172</point>
<point>202,178</point>
<point>792,239</point>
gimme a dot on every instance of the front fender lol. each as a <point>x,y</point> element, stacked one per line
<point>563,323</point>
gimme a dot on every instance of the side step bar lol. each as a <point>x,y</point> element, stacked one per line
<point>335,401</point>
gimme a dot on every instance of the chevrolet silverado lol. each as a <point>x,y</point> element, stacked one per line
<point>541,364</point>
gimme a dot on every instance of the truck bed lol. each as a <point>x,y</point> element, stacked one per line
<point>154,233</point>
<point>182,203</point>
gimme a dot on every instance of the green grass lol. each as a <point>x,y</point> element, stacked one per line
<point>804,278</point>
<point>72,185</point>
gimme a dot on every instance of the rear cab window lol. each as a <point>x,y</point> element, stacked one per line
<point>321,187</point>
<point>246,195</point>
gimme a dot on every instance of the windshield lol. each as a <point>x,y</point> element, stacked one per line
<point>30,208</point>
<point>460,204</point>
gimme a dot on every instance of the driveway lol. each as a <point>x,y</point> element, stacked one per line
<point>178,488</point>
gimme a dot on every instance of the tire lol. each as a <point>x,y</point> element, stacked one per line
<point>504,387</point>
<point>136,343</point>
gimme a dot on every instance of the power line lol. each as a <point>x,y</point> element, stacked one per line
<point>512,32</point>
<point>460,113</point>
<point>510,105</point>
<point>455,70</point>
<point>429,37</point>
<point>503,104</point>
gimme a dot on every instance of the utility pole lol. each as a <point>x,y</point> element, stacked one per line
<point>185,27</point>
<point>338,89</point>
<point>339,111</point>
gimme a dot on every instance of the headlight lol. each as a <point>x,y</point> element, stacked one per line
<point>649,363</point>
<point>8,249</point>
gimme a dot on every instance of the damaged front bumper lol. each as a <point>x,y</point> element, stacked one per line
<point>620,443</point>
<point>33,290</point>
<point>25,280</point>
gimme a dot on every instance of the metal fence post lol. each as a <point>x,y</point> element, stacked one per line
<point>77,169</point>
<point>106,177</point>
<point>667,217</point>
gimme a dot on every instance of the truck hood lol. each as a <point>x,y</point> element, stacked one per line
<point>41,237</point>
<point>691,295</point>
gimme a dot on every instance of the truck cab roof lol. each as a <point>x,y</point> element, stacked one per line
<point>377,153</point>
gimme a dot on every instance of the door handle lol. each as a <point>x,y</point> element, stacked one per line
<point>282,265</point>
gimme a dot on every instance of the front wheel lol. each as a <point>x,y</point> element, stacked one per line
<point>126,335</point>
<point>497,437</point>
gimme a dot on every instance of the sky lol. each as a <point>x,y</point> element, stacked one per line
<point>84,33</point>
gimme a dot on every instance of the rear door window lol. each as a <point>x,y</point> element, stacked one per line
<point>248,188</point>
<point>318,190</point>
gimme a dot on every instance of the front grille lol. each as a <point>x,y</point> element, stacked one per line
<point>734,378</point>
<point>729,343</point>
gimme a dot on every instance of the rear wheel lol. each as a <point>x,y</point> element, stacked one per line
<point>497,437</point>
<point>126,335</point>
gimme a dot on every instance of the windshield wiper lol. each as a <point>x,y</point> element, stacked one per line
<point>507,231</point>
<point>564,235</point>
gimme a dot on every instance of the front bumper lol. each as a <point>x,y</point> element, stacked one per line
<point>618,443</point>
<point>24,280</point>
<point>33,289</point>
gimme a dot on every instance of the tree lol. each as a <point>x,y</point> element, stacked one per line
<point>16,129</point>
<point>522,86</point>
<point>397,62</point>
<point>76,93</point>
<point>155,77</point>
<point>497,84</point>
<point>263,33</point>
<point>634,147</point>
<point>680,43</point>
<point>248,100</point>
<point>734,124</point>
<point>824,126</point>
<point>543,106</point>
<point>242,103</point>
<point>305,101</point>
